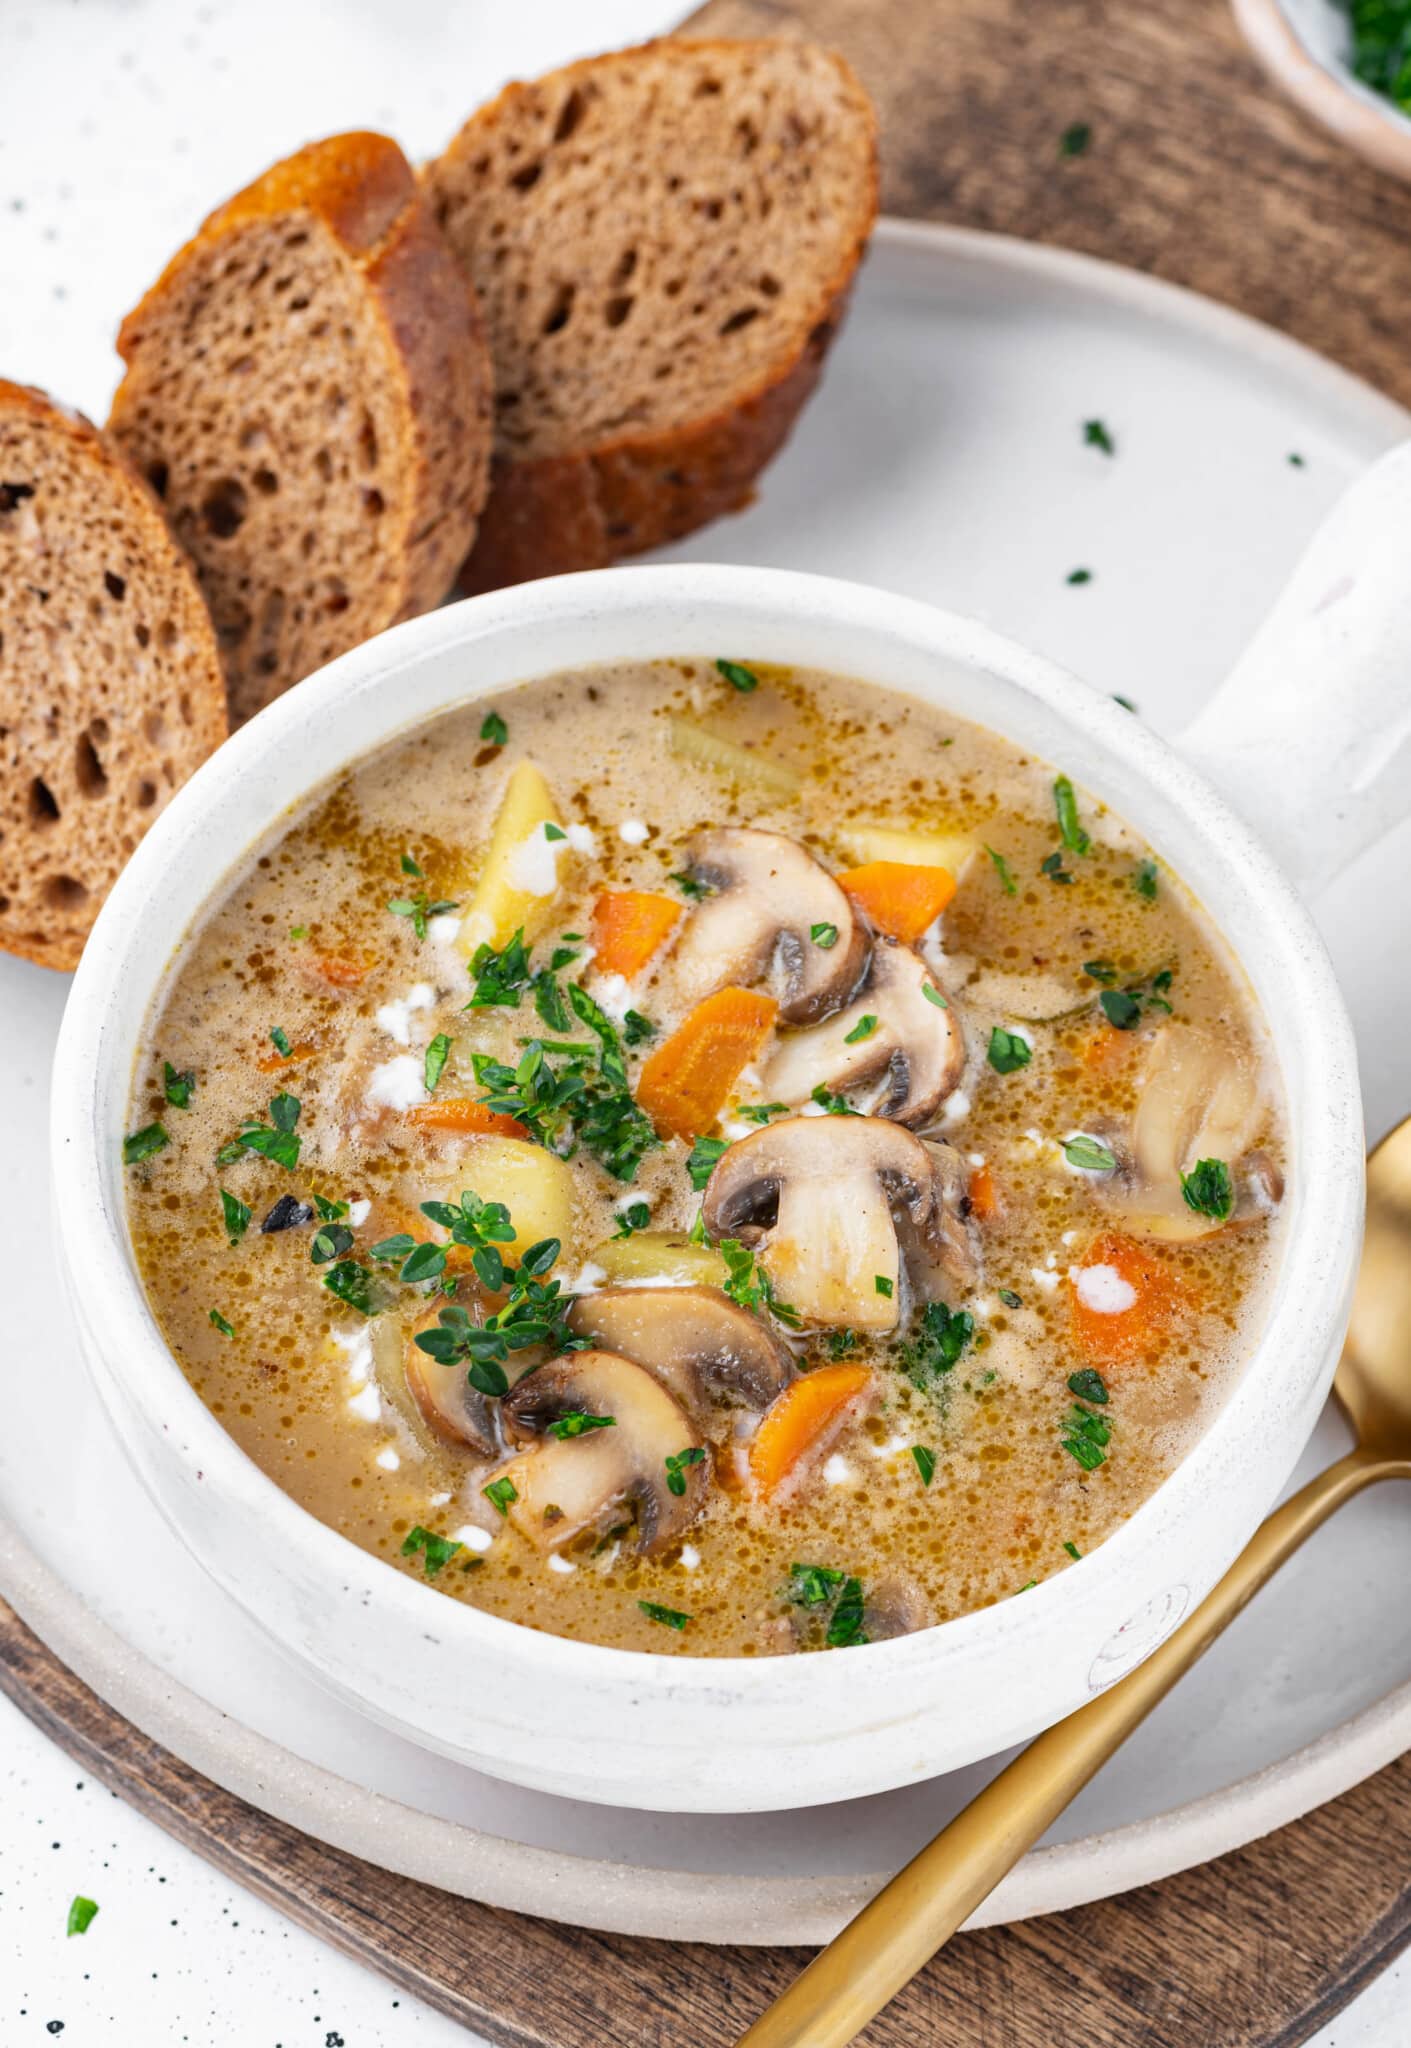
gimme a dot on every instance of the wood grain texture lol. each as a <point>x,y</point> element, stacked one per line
<point>1255,1951</point>
<point>1197,169</point>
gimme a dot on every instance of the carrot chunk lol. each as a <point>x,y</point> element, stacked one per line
<point>686,1082</point>
<point>799,1419</point>
<point>629,925</point>
<point>1105,1048</point>
<point>984,1195</point>
<point>901,900</point>
<point>274,1062</point>
<point>1121,1300</point>
<point>459,1113</point>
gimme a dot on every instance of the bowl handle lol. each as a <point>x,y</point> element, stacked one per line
<point>1310,734</point>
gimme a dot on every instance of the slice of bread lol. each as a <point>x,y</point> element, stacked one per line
<point>662,242</point>
<point>308,391</point>
<point>111,690</point>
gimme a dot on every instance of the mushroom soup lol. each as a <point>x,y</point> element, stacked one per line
<point>711,1159</point>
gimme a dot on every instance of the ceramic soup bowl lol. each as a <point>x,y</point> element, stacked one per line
<point>1298,735</point>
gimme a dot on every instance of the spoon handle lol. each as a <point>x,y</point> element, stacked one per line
<point>894,1935</point>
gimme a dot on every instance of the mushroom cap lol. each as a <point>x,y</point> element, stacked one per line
<point>915,1055</point>
<point>564,1485</point>
<point>769,895</point>
<point>836,1201</point>
<point>701,1345</point>
<point>429,1397</point>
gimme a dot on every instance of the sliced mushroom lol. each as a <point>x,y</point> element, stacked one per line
<point>435,1401</point>
<point>832,1204</point>
<point>1199,1100</point>
<point>564,1484</point>
<point>909,1061</point>
<point>701,1345</point>
<point>769,898</point>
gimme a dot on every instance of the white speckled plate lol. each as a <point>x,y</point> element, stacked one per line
<point>944,458</point>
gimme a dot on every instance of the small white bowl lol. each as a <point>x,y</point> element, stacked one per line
<point>734,1734</point>
<point>1306,47</point>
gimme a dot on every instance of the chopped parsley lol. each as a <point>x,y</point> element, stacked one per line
<point>279,1039</point>
<point>419,908</point>
<point>437,1054</point>
<point>760,1112</point>
<point>636,1028</point>
<point>839,1343</point>
<point>583,1099</point>
<point>814,1584</point>
<point>1079,576</point>
<point>494,732</point>
<point>82,1914</point>
<point>236,1216</point>
<point>937,1341</point>
<point>1208,1189</point>
<point>1125,702</point>
<point>1001,868</point>
<point>1088,1154</point>
<point>864,1028</point>
<point>883,1285</point>
<point>1144,880</point>
<point>410,867</point>
<point>636,1216</point>
<point>704,1157</point>
<point>676,1467</point>
<point>1089,1385</point>
<point>835,1105</point>
<point>436,1551</point>
<point>277,1140</point>
<point>1084,1437</point>
<point>142,1144</point>
<point>576,1422</point>
<point>331,1241</point>
<point>738,676</point>
<point>501,1493</point>
<point>1100,971</point>
<point>1008,1051</point>
<point>298,931</point>
<point>1072,1549</point>
<point>934,996</point>
<point>177,1087</point>
<point>747,1283</point>
<point>352,1284</point>
<point>824,935</point>
<point>690,887</point>
<point>925,1463</point>
<point>552,832</point>
<point>845,1628</point>
<point>1053,867</point>
<point>1075,139</point>
<point>669,1617</point>
<point>218,1322</point>
<point>330,1212</point>
<point>1096,435</point>
<point>1010,1298</point>
<point>502,977</point>
<point>1065,803</point>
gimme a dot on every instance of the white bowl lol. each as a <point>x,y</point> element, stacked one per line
<point>734,1734</point>
<point>1306,47</point>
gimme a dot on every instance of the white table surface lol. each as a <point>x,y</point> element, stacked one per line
<point>121,123</point>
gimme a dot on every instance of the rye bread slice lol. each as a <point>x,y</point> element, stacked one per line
<point>111,690</point>
<point>662,242</point>
<point>308,391</point>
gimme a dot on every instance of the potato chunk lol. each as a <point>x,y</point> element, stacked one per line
<point>518,884</point>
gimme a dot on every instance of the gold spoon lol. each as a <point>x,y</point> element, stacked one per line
<point>898,1932</point>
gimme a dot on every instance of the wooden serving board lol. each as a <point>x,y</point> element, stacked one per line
<point>1254,1951</point>
<point>1195,170</point>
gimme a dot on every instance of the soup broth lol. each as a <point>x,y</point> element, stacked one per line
<point>709,1159</point>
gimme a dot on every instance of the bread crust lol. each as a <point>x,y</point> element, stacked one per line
<point>365,193</point>
<point>61,946</point>
<point>548,515</point>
